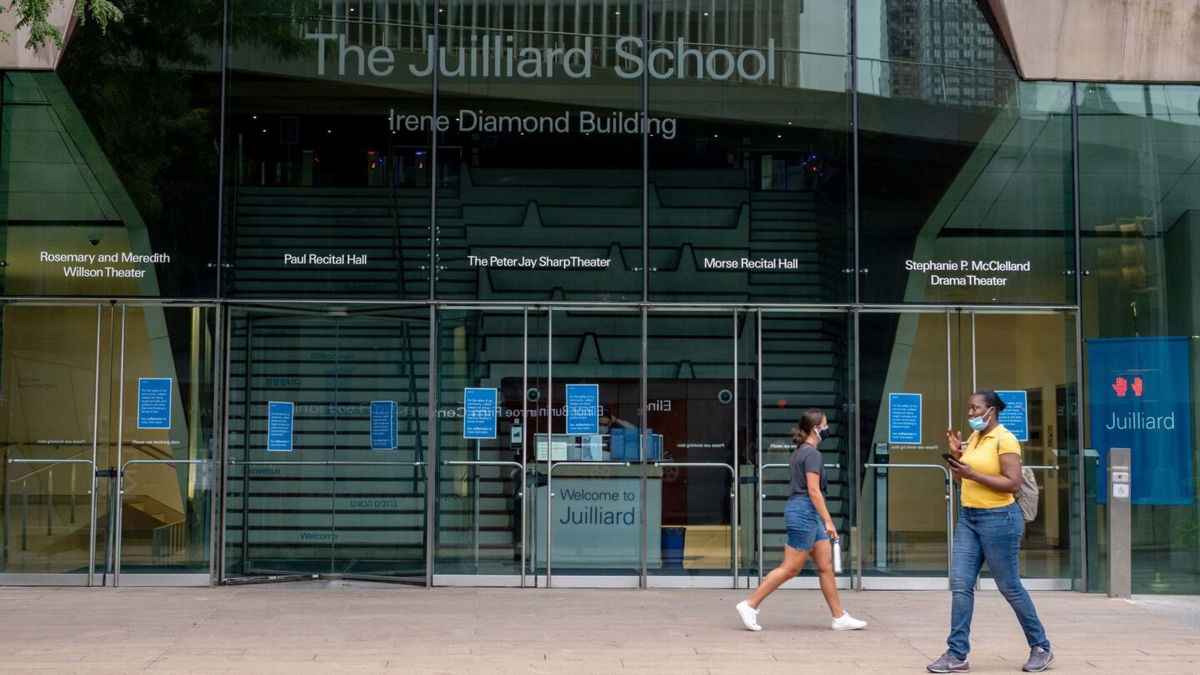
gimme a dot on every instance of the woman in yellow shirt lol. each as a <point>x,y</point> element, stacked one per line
<point>990,527</point>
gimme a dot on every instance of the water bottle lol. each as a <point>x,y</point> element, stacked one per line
<point>837,556</point>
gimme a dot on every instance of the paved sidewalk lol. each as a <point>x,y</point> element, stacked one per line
<point>322,627</point>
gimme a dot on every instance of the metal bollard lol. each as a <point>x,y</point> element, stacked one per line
<point>1119,562</point>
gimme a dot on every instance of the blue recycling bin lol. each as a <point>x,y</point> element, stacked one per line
<point>672,546</point>
<point>623,444</point>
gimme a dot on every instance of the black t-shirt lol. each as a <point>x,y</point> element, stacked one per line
<point>805,460</point>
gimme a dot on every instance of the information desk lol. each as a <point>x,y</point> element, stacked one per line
<point>597,516</point>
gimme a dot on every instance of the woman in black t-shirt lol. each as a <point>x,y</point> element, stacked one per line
<point>809,526</point>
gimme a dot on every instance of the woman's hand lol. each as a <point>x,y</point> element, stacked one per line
<point>954,440</point>
<point>960,470</point>
<point>831,530</point>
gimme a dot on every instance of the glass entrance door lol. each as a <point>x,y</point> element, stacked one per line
<point>597,489</point>
<point>482,534</point>
<point>1030,360</point>
<point>804,360</point>
<point>56,373</point>
<point>701,405</point>
<point>916,389</point>
<point>164,445</point>
<point>327,443</point>
<point>107,425</point>
<point>653,446</point>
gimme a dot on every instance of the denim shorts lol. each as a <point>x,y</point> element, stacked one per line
<point>804,526</point>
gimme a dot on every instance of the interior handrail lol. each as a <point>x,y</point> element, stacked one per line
<point>949,502</point>
<point>36,460</point>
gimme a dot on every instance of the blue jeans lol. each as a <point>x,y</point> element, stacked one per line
<point>804,526</point>
<point>992,535</point>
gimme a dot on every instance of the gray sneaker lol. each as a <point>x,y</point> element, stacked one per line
<point>1039,660</point>
<point>949,663</point>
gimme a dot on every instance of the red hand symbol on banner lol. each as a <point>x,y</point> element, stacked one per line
<point>1138,386</point>
<point>1121,386</point>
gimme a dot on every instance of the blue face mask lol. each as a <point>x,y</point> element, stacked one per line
<point>978,423</point>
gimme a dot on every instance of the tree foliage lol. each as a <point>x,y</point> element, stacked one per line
<point>35,15</point>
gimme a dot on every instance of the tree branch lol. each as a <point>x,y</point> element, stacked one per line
<point>35,15</point>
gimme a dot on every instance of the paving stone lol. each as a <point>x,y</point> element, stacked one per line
<point>317,627</point>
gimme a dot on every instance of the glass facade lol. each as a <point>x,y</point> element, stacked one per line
<point>531,292</point>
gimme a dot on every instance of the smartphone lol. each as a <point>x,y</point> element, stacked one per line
<point>950,458</point>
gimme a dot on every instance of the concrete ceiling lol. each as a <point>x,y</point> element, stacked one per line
<point>14,55</point>
<point>1102,40</point>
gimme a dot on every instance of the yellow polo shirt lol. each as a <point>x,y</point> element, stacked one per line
<point>983,454</point>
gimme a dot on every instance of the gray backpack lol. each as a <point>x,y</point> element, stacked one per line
<point>1027,496</point>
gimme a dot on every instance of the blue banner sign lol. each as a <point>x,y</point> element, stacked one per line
<point>904,419</point>
<point>383,425</point>
<point>154,403</point>
<point>479,412</point>
<point>1139,393</point>
<point>1015,416</point>
<point>279,425</point>
<point>583,408</point>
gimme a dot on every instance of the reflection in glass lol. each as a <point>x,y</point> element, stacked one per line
<point>906,511</point>
<point>749,183</point>
<point>965,191</point>
<point>542,128</point>
<point>595,516</point>
<point>1139,191</point>
<point>167,440</point>
<point>805,363</point>
<point>1031,354</point>
<point>50,386</point>
<point>334,497</point>
<point>479,526</point>
<point>115,153</point>
<point>328,195</point>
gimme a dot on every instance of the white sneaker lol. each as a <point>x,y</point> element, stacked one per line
<point>750,615</point>
<point>847,622</point>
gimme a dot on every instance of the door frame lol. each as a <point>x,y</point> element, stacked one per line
<point>278,312</point>
<point>114,507</point>
<point>536,577</point>
<point>955,317</point>
<point>209,466</point>
<point>61,578</point>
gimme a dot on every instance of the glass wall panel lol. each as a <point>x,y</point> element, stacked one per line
<point>1030,360</point>
<point>805,363</point>
<point>329,175</point>
<point>698,429</point>
<point>907,403</point>
<point>749,161</point>
<point>942,32</point>
<point>1139,202</point>
<point>166,439</point>
<point>965,171</point>
<point>54,384</point>
<point>327,439</point>
<point>593,471</point>
<point>540,104</point>
<point>110,162</point>
<point>481,480</point>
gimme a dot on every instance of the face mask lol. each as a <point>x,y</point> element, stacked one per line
<point>822,434</point>
<point>978,423</point>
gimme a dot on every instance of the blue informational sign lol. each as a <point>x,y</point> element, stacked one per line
<point>1015,416</point>
<point>479,412</point>
<point>583,408</point>
<point>154,403</point>
<point>279,425</point>
<point>904,419</point>
<point>383,425</point>
<point>1139,397</point>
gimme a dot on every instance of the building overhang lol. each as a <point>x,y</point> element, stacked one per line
<point>14,55</point>
<point>1101,40</point>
